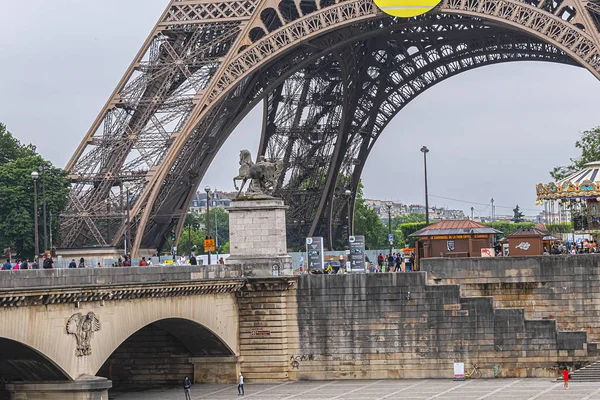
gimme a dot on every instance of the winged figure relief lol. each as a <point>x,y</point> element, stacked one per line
<point>83,327</point>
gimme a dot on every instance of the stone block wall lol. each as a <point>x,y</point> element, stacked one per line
<point>268,329</point>
<point>379,326</point>
<point>562,288</point>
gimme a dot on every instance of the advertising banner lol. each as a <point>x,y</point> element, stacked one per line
<point>314,253</point>
<point>357,253</point>
<point>459,371</point>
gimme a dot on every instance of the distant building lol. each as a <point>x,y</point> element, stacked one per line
<point>218,199</point>
<point>399,209</point>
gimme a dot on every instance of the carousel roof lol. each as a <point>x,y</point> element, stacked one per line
<point>584,183</point>
<point>590,173</point>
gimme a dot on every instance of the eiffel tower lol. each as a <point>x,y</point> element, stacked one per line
<point>331,75</point>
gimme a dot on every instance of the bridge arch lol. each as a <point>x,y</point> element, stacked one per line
<point>212,316</point>
<point>236,60</point>
<point>162,352</point>
<point>20,362</point>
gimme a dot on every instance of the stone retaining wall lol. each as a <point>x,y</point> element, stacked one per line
<point>564,288</point>
<point>380,326</point>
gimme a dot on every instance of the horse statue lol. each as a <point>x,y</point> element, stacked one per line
<point>263,174</point>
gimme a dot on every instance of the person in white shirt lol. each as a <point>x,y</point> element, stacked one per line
<point>241,385</point>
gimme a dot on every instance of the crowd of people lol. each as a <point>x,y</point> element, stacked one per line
<point>47,263</point>
<point>125,261</point>
<point>393,262</point>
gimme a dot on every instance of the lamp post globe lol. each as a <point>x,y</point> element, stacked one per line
<point>35,175</point>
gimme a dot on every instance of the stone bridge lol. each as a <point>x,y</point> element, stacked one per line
<point>63,332</point>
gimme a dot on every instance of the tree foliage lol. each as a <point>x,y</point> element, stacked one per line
<point>368,224</point>
<point>403,232</point>
<point>508,228</point>
<point>589,144</point>
<point>407,219</point>
<point>194,232</point>
<point>17,162</point>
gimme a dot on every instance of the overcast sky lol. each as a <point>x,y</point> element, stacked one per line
<point>493,132</point>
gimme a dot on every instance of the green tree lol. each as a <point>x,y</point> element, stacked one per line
<point>194,228</point>
<point>17,162</point>
<point>508,228</point>
<point>517,214</point>
<point>407,219</point>
<point>368,224</point>
<point>589,144</point>
<point>404,231</point>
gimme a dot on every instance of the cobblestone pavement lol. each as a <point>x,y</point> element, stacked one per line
<point>493,389</point>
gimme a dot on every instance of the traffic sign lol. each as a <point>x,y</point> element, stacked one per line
<point>390,237</point>
<point>209,245</point>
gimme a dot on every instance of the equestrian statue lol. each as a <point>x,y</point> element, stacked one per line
<point>263,174</point>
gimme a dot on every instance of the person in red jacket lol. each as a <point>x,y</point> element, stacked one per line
<point>565,374</point>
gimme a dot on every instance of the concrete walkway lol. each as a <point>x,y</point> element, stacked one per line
<point>492,389</point>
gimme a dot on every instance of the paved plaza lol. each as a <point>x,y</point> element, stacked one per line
<point>493,389</point>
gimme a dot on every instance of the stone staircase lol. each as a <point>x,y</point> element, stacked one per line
<point>589,373</point>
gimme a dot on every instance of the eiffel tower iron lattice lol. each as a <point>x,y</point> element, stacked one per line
<point>331,75</point>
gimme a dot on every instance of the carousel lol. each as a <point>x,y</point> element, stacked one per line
<point>575,198</point>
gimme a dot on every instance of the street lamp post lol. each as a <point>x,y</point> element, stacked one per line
<point>207,190</point>
<point>127,223</point>
<point>389,207</point>
<point>190,233</point>
<point>43,170</point>
<point>35,175</point>
<point>425,150</point>
<point>348,194</point>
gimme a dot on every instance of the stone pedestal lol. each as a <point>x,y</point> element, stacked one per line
<point>85,388</point>
<point>257,235</point>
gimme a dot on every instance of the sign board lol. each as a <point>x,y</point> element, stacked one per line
<point>256,332</point>
<point>357,253</point>
<point>454,237</point>
<point>314,253</point>
<point>459,371</point>
<point>209,245</point>
<point>488,252</point>
<point>390,236</point>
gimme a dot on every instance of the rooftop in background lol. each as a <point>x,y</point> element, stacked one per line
<point>523,231</point>
<point>457,227</point>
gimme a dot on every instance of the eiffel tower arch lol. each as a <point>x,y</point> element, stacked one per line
<point>331,75</point>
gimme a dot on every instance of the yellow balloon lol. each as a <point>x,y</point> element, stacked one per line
<point>406,8</point>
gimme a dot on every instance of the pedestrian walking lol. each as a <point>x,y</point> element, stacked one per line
<point>25,264</point>
<point>193,260</point>
<point>565,374</point>
<point>73,264</point>
<point>17,265</point>
<point>241,385</point>
<point>81,263</point>
<point>187,387</point>
<point>7,265</point>
<point>143,262</point>
<point>36,264</point>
